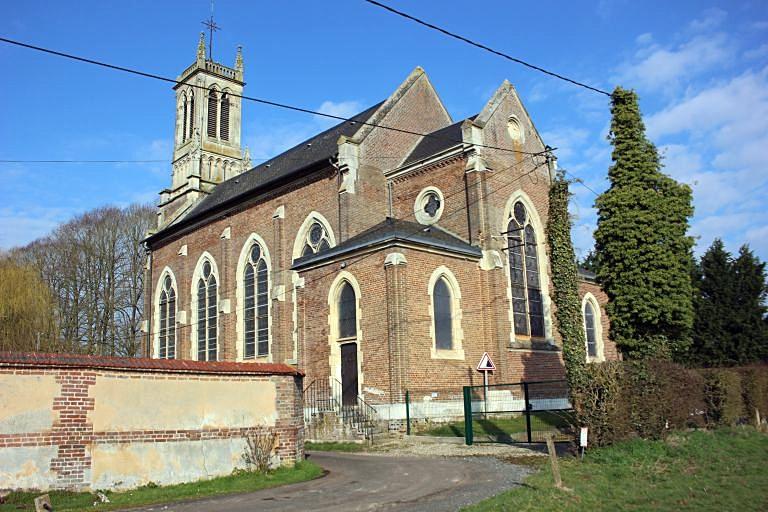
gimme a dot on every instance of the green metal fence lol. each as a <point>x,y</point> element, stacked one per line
<point>521,412</point>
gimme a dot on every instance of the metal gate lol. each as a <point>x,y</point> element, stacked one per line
<point>523,412</point>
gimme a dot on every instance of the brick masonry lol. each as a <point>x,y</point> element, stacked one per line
<point>394,341</point>
<point>73,411</point>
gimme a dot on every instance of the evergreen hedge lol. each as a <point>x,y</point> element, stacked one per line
<point>650,399</point>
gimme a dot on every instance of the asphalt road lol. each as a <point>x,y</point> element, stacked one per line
<point>376,482</point>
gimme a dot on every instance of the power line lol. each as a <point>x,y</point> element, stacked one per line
<point>251,98</point>
<point>349,264</point>
<point>83,161</point>
<point>484,47</point>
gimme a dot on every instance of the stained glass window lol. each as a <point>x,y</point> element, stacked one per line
<point>207,315</point>
<point>589,326</point>
<point>443,315</point>
<point>347,312</point>
<point>525,280</point>
<point>256,281</point>
<point>167,333</point>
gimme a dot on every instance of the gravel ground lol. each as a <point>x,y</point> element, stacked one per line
<point>454,447</point>
<point>364,482</point>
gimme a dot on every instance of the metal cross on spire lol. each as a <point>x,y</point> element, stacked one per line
<point>212,27</point>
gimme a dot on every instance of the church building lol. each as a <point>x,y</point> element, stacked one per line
<point>386,253</point>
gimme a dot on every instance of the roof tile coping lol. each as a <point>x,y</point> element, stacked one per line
<point>91,362</point>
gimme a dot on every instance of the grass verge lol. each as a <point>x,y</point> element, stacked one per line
<point>506,427</point>
<point>334,447</point>
<point>153,494</point>
<point>702,471</point>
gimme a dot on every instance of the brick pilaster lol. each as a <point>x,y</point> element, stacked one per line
<point>397,324</point>
<point>72,432</point>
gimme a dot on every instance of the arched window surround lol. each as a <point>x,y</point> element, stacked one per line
<point>599,345</point>
<point>334,340</point>
<point>301,234</point>
<point>206,256</point>
<point>543,262</point>
<point>166,272</point>
<point>457,351</point>
<point>242,261</point>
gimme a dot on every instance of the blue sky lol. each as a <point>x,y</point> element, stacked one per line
<point>701,69</point>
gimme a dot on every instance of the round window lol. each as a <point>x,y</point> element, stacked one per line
<point>429,205</point>
<point>515,130</point>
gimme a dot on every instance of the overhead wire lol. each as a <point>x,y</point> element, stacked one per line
<point>486,48</point>
<point>262,101</point>
<point>414,232</point>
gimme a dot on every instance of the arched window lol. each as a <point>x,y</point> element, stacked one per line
<point>207,314</point>
<point>317,239</point>
<point>589,328</point>
<point>443,315</point>
<point>224,122</point>
<point>184,120</point>
<point>527,302</point>
<point>347,312</point>
<point>191,114</point>
<point>167,333</point>
<point>256,314</point>
<point>593,332</point>
<point>213,101</point>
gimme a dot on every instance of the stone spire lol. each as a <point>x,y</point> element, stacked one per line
<point>201,49</point>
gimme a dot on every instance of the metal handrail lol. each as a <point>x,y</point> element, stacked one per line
<point>319,398</point>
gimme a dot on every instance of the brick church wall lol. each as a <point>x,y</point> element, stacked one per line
<point>87,422</point>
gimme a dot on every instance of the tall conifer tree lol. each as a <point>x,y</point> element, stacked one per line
<point>714,302</point>
<point>750,338</point>
<point>644,251</point>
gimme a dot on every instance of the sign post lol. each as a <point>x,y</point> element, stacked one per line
<point>484,366</point>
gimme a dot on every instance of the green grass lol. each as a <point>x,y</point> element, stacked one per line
<point>702,471</point>
<point>152,494</point>
<point>334,447</point>
<point>503,428</point>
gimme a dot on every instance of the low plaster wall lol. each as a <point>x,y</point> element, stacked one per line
<point>85,422</point>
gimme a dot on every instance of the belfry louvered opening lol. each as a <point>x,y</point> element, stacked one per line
<point>213,108</point>
<point>224,121</point>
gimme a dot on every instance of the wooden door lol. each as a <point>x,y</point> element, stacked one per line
<point>349,374</point>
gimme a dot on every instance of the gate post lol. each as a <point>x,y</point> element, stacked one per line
<point>468,437</point>
<point>407,412</point>
<point>527,412</point>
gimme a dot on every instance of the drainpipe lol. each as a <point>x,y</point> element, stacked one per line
<point>148,298</point>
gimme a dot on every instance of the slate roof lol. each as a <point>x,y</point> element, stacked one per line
<point>586,274</point>
<point>437,141</point>
<point>394,230</point>
<point>289,164</point>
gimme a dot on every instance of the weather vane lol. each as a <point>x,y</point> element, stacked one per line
<point>212,27</point>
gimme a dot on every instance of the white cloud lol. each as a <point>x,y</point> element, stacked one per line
<point>644,39</point>
<point>345,109</point>
<point>21,226</point>
<point>269,141</point>
<point>743,99</point>
<point>758,53</point>
<point>711,18</point>
<point>657,68</point>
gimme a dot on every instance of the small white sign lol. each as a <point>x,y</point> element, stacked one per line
<point>485,364</point>
<point>583,437</point>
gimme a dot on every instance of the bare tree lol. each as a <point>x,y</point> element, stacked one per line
<point>93,269</point>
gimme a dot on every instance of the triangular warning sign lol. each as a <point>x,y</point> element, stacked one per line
<point>485,364</point>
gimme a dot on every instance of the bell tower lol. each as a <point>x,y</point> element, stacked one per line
<point>206,148</point>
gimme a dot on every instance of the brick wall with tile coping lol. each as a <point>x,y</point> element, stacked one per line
<point>48,437</point>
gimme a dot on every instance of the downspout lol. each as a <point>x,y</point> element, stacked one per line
<point>148,297</point>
